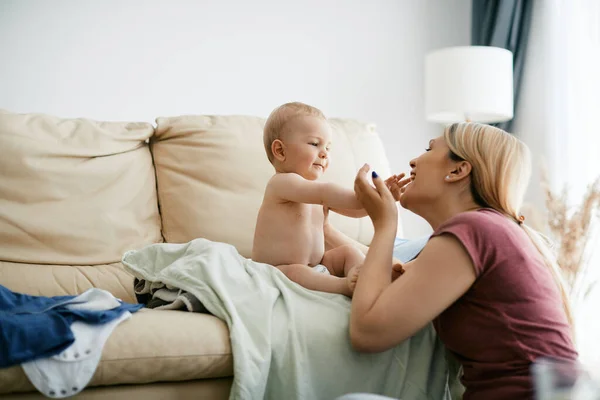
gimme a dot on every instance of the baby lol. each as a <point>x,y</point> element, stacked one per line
<point>289,228</point>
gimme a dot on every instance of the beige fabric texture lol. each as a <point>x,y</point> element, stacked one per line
<point>74,191</point>
<point>153,346</point>
<point>75,194</point>
<point>205,389</point>
<point>64,280</point>
<point>212,171</point>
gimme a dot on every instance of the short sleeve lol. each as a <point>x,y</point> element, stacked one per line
<point>469,229</point>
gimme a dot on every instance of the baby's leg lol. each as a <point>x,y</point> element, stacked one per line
<point>342,259</point>
<point>345,261</point>
<point>309,278</point>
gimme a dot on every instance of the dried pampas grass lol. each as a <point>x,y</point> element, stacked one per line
<point>572,228</point>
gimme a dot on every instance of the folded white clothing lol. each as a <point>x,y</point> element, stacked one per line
<point>68,372</point>
<point>94,300</point>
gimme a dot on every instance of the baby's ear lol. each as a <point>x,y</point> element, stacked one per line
<point>278,150</point>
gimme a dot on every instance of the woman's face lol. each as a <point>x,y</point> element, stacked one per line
<point>428,173</point>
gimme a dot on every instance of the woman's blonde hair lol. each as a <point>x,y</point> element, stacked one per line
<point>501,168</point>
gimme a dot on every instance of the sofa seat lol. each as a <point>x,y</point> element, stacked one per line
<point>153,346</point>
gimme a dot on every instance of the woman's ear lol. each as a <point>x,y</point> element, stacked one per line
<point>278,150</point>
<point>461,170</point>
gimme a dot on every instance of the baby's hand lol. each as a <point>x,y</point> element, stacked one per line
<point>396,184</point>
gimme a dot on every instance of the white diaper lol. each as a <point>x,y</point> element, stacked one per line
<point>322,269</point>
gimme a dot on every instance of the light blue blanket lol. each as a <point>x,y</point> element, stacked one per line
<point>289,342</point>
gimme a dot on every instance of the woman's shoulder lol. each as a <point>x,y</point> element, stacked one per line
<point>479,219</point>
<point>481,232</point>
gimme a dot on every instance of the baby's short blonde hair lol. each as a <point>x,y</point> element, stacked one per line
<point>279,118</point>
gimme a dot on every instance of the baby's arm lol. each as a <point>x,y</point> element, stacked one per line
<point>351,213</point>
<point>395,184</point>
<point>293,187</point>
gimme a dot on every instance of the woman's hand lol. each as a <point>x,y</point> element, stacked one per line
<point>378,201</point>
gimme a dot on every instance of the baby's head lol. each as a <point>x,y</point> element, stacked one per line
<point>297,139</point>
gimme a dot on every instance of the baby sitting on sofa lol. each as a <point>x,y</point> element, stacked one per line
<point>289,228</point>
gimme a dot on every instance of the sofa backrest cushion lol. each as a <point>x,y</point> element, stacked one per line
<point>212,171</point>
<point>75,191</point>
<point>63,280</point>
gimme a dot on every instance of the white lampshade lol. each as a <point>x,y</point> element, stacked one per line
<point>472,83</point>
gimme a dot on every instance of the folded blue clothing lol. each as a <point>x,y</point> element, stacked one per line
<point>33,327</point>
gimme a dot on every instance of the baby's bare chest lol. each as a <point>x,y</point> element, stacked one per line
<point>290,234</point>
<point>302,214</point>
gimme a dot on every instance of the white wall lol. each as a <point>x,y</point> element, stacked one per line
<point>136,60</point>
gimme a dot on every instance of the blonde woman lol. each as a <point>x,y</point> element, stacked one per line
<point>485,279</point>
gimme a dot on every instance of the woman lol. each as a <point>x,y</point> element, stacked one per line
<point>485,279</point>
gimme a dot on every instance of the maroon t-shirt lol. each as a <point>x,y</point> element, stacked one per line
<point>511,315</point>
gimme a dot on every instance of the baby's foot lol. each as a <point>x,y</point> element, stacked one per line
<point>352,278</point>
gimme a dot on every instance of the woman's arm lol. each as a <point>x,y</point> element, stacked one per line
<point>385,313</point>
<point>293,187</point>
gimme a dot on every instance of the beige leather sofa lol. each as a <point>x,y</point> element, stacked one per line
<point>75,194</point>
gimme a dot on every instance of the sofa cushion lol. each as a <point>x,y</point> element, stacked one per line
<point>63,280</point>
<point>74,191</point>
<point>153,346</point>
<point>212,171</point>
